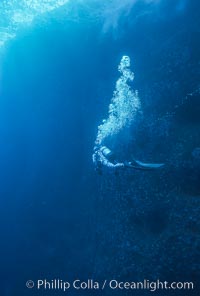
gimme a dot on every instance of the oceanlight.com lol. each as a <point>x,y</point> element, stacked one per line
<point>90,284</point>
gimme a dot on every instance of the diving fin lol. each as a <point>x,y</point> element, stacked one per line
<point>138,165</point>
<point>149,166</point>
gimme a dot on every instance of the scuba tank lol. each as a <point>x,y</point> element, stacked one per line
<point>106,151</point>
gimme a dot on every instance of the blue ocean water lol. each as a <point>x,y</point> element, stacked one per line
<point>59,218</point>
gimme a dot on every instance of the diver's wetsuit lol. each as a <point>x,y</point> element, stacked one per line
<point>103,157</point>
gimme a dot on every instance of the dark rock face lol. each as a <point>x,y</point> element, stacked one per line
<point>154,218</point>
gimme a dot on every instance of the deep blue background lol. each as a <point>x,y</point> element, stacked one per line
<point>58,218</point>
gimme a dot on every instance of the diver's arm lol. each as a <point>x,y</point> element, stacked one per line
<point>94,157</point>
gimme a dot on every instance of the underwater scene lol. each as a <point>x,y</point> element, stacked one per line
<point>99,147</point>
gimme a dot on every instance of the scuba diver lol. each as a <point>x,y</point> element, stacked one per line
<point>104,157</point>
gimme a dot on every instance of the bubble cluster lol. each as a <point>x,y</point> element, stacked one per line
<point>124,104</point>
